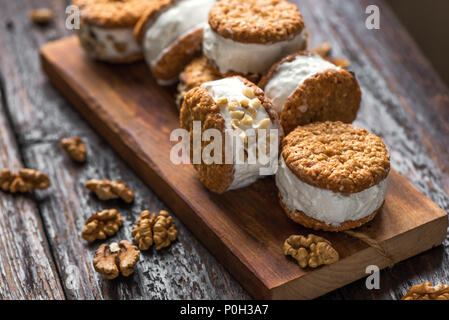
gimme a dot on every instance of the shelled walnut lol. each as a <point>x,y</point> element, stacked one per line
<point>102,225</point>
<point>159,230</point>
<point>25,181</point>
<point>164,230</point>
<point>143,230</point>
<point>312,251</point>
<point>41,15</point>
<point>107,190</point>
<point>426,291</point>
<point>115,259</point>
<point>75,148</point>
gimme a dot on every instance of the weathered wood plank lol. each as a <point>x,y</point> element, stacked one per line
<point>27,270</point>
<point>41,117</point>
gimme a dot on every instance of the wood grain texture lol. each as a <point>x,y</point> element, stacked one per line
<point>27,270</point>
<point>245,229</point>
<point>40,117</point>
<point>411,115</point>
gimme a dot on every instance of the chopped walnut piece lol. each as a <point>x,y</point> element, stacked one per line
<point>102,225</point>
<point>25,181</point>
<point>107,190</point>
<point>340,62</point>
<point>143,230</point>
<point>312,251</point>
<point>426,291</point>
<point>41,15</point>
<point>110,261</point>
<point>164,230</point>
<point>324,50</point>
<point>75,148</point>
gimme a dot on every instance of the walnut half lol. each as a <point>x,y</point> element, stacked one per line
<point>102,225</point>
<point>115,259</point>
<point>25,181</point>
<point>164,230</point>
<point>143,230</point>
<point>426,291</point>
<point>107,190</point>
<point>75,148</point>
<point>312,251</point>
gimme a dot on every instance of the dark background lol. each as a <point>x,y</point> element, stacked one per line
<point>428,23</point>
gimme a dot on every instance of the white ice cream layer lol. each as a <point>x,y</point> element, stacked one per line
<point>177,21</point>
<point>245,173</point>
<point>111,39</point>
<point>290,75</point>
<point>248,58</point>
<point>324,205</point>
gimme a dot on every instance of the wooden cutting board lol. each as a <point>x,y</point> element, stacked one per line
<point>244,229</point>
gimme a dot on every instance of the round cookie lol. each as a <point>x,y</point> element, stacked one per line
<point>248,36</point>
<point>197,72</point>
<point>332,176</point>
<point>306,88</point>
<point>106,29</point>
<point>171,33</point>
<point>238,109</point>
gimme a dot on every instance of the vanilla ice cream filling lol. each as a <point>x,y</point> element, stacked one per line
<point>109,43</point>
<point>324,205</point>
<point>290,75</point>
<point>175,22</point>
<point>232,89</point>
<point>248,58</point>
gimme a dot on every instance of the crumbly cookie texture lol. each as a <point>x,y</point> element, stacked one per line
<point>107,190</point>
<point>311,252</point>
<point>332,95</point>
<point>426,291</point>
<point>311,223</point>
<point>324,51</point>
<point>25,181</point>
<point>102,225</point>
<point>256,21</point>
<point>198,105</point>
<point>180,54</point>
<point>75,148</point>
<point>41,16</point>
<point>113,13</point>
<point>336,156</point>
<point>143,230</point>
<point>116,258</point>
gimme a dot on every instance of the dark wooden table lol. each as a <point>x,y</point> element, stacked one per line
<point>42,255</point>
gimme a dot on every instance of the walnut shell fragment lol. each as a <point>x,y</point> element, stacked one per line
<point>115,259</point>
<point>107,190</point>
<point>75,148</point>
<point>312,251</point>
<point>426,291</point>
<point>25,181</point>
<point>102,225</point>
<point>143,230</point>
